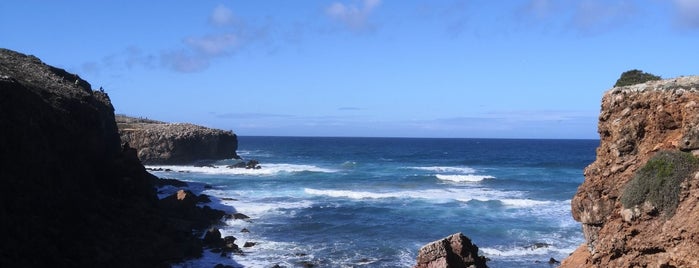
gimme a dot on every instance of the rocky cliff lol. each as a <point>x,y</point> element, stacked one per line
<point>180,143</point>
<point>70,195</point>
<point>635,123</point>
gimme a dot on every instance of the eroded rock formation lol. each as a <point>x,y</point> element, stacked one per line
<point>454,251</point>
<point>636,122</point>
<point>176,143</point>
<point>71,196</point>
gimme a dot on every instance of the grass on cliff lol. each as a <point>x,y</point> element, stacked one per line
<point>659,180</point>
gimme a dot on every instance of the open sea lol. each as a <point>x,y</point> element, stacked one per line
<point>373,202</point>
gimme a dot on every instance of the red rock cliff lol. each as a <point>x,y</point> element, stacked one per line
<point>636,122</point>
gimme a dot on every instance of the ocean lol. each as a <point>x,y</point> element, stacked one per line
<point>373,202</point>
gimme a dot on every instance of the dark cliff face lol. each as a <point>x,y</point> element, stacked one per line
<point>165,143</point>
<point>69,196</point>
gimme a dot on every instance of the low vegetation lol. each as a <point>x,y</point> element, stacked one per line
<point>658,181</point>
<point>633,77</point>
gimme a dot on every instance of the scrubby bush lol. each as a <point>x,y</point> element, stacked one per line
<point>633,77</point>
<point>658,181</point>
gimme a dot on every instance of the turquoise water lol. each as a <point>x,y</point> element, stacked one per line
<point>373,202</point>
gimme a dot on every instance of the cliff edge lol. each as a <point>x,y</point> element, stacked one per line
<point>635,124</point>
<point>71,195</point>
<point>175,143</point>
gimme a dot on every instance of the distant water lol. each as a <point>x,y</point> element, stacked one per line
<point>373,202</point>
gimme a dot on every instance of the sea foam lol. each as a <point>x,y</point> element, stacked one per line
<point>463,178</point>
<point>266,170</point>
<point>444,169</point>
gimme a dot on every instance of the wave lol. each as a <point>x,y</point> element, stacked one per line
<point>524,202</point>
<point>266,170</point>
<point>527,251</point>
<point>431,194</point>
<point>444,169</point>
<point>463,178</point>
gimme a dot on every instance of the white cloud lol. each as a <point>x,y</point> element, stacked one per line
<point>213,45</point>
<point>354,17</point>
<point>222,16</point>
<point>688,11</point>
<point>184,61</point>
<point>596,15</point>
<point>583,16</point>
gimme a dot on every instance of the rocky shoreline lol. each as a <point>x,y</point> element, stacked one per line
<point>72,195</point>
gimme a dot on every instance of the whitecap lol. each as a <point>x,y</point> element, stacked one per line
<point>266,170</point>
<point>524,202</point>
<point>463,178</point>
<point>352,194</point>
<point>438,195</point>
<point>525,251</point>
<point>446,169</point>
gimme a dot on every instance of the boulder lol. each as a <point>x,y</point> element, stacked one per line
<point>212,238</point>
<point>454,251</point>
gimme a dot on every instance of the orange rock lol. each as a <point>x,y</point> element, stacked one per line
<point>636,122</point>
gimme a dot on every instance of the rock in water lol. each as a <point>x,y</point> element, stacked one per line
<point>176,143</point>
<point>454,251</point>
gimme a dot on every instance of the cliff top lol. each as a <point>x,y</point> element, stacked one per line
<point>689,83</point>
<point>35,75</point>
<point>127,123</point>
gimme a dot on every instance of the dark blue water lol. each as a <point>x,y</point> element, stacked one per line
<point>373,202</point>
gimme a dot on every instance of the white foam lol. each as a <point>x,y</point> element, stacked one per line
<point>443,169</point>
<point>258,209</point>
<point>525,251</point>
<point>524,202</point>
<point>463,178</point>
<point>266,170</point>
<point>352,194</point>
<point>456,194</point>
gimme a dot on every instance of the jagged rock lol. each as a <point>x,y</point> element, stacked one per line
<point>212,238</point>
<point>249,244</point>
<point>176,143</point>
<point>229,244</point>
<point>237,216</point>
<point>454,251</point>
<point>67,182</point>
<point>252,164</point>
<point>635,123</point>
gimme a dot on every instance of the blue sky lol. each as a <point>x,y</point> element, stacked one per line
<point>446,68</point>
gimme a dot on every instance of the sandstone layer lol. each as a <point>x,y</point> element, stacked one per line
<point>176,143</point>
<point>454,251</point>
<point>70,195</point>
<point>635,123</point>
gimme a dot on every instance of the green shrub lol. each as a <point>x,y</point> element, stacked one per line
<point>658,181</point>
<point>633,77</point>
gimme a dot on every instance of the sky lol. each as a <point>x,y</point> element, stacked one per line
<point>367,68</point>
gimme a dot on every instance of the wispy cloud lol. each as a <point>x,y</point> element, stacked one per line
<point>688,13</point>
<point>222,16</point>
<point>353,16</point>
<point>593,16</point>
<point>581,16</point>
